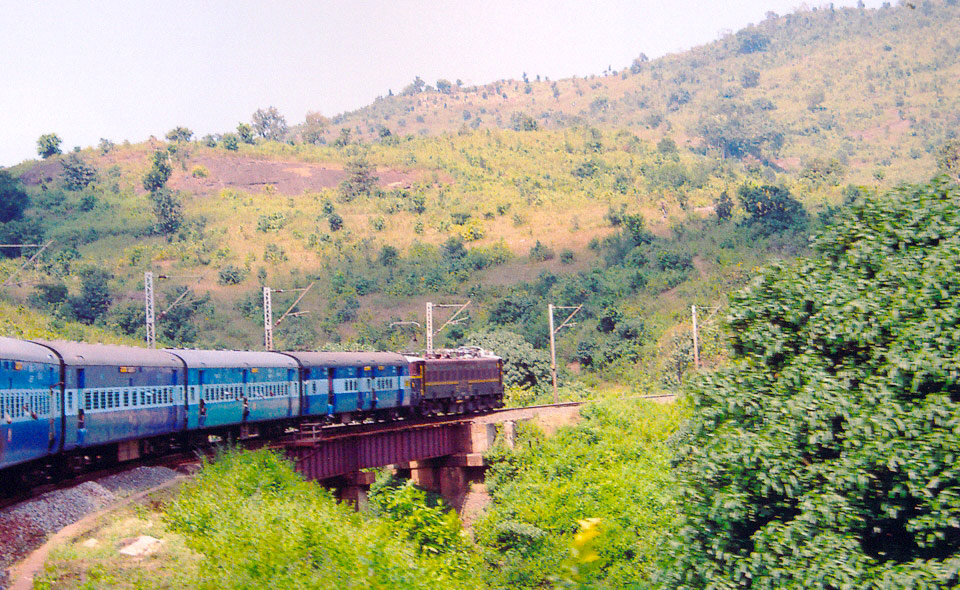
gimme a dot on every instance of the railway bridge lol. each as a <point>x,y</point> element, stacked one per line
<point>444,454</point>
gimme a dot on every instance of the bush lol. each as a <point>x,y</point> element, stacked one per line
<point>77,174</point>
<point>199,171</point>
<point>231,275</point>
<point>772,207</point>
<point>566,256</point>
<point>825,456</point>
<point>13,197</point>
<point>258,524</point>
<point>541,252</point>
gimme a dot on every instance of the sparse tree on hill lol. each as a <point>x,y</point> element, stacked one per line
<point>444,86</point>
<point>361,180</point>
<point>314,128</point>
<point>168,209</point>
<point>245,133</point>
<point>77,173</point>
<point>94,298</point>
<point>230,142</point>
<point>106,146</point>
<point>49,145</point>
<point>159,172</point>
<point>179,134</point>
<point>269,124</point>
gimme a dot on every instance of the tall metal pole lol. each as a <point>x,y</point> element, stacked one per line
<point>148,301</point>
<point>429,328</point>
<point>267,319</point>
<point>553,355</point>
<point>696,343</point>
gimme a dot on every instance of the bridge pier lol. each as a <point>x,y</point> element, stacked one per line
<point>451,477</point>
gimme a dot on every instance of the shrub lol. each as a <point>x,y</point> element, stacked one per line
<point>200,171</point>
<point>541,252</point>
<point>566,256</point>
<point>825,456</point>
<point>77,173</point>
<point>231,275</point>
<point>335,222</point>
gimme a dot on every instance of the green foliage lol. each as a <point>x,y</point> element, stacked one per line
<point>523,122</point>
<point>825,456</point>
<point>230,142</point>
<point>49,145</point>
<point>269,124</point>
<point>94,298</point>
<point>21,231</point>
<point>13,198</point>
<point>433,528</point>
<point>231,275</point>
<point>271,223</point>
<point>611,468</point>
<point>523,366</point>
<point>772,207</point>
<point>200,171</point>
<point>244,134</point>
<point>179,134</point>
<point>105,146</point>
<point>258,524</point>
<point>723,207</point>
<point>361,181</point>
<point>160,170</point>
<point>168,209</point>
<point>335,221</point>
<point>541,252</point>
<point>77,173</point>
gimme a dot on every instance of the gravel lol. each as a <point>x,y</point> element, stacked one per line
<point>25,526</point>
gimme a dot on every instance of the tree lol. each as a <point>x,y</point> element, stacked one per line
<point>13,198</point>
<point>49,145</point>
<point>523,122</point>
<point>771,206</point>
<point>523,365</point>
<point>94,298</point>
<point>415,87</point>
<point>230,142</point>
<point>168,209</point>
<point>77,173</point>
<point>825,455</point>
<point>179,134</point>
<point>723,206</point>
<point>361,180</point>
<point>335,222</point>
<point>20,231</point>
<point>314,128</point>
<point>245,133</point>
<point>105,145</point>
<point>444,86</point>
<point>739,130</point>
<point>948,159</point>
<point>269,124</point>
<point>159,172</point>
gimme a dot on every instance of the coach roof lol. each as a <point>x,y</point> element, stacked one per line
<point>84,354</point>
<point>19,350</point>
<point>347,359</point>
<point>218,359</point>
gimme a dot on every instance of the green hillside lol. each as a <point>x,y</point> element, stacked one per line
<point>636,193</point>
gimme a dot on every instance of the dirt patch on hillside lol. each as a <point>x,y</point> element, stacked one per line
<point>287,178</point>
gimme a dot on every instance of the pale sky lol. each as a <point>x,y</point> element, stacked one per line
<point>128,69</point>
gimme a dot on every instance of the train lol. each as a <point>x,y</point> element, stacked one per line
<point>65,406</point>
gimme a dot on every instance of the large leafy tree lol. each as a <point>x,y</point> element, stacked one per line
<point>269,123</point>
<point>13,197</point>
<point>49,145</point>
<point>827,455</point>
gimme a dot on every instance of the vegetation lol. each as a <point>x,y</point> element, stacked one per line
<point>255,522</point>
<point>607,478</point>
<point>824,456</point>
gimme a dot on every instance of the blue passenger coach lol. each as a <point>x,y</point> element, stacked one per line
<point>230,388</point>
<point>119,394</point>
<point>349,385</point>
<point>30,420</point>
